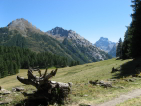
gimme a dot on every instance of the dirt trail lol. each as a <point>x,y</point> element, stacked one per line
<point>122,98</point>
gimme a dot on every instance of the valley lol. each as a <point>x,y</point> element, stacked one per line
<point>70,53</point>
<point>82,91</point>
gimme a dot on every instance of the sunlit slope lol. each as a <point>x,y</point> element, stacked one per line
<point>80,73</point>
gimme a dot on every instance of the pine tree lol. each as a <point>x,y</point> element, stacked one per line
<point>126,46</point>
<point>1,68</point>
<point>136,27</point>
<point>5,69</point>
<point>119,49</point>
<point>135,5</point>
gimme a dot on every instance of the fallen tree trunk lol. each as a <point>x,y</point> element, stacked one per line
<point>50,90</point>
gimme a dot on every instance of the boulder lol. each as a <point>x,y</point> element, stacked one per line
<point>4,92</point>
<point>18,89</point>
<point>105,84</point>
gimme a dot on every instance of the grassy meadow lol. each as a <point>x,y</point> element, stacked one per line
<point>82,91</point>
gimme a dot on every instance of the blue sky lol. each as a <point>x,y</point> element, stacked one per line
<point>91,19</point>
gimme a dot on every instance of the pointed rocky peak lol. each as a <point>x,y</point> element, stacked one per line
<point>23,26</point>
<point>58,31</point>
<point>105,44</point>
<point>103,39</point>
<point>60,34</point>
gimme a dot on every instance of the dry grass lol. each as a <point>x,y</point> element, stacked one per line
<point>82,91</point>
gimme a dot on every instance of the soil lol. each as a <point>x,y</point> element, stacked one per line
<point>121,98</point>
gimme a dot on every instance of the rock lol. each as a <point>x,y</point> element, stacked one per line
<point>13,90</point>
<point>2,103</point>
<point>129,80</point>
<point>93,82</point>
<point>121,87</point>
<point>18,89</point>
<point>85,95</point>
<point>4,92</point>
<point>16,94</point>
<point>84,104</point>
<point>70,84</point>
<point>6,101</point>
<point>105,84</point>
<point>112,80</point>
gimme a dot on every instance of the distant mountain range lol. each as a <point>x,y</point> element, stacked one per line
<point>58,41</point>
<point>107,46</point>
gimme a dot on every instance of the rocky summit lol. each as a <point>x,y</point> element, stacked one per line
<point>23,26</point>
<point>76,41</point>
<point>107,46</point>
<point>61,33</point>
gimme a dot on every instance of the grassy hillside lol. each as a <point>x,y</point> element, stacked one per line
<point>82,91</point>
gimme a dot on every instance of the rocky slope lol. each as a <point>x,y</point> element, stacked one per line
<point>23,27</point>
<point>107,46</point>
<point>58,41</point>
<point>112,52</point>
<point>78,42</point>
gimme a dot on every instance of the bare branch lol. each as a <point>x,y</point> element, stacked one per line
<point>45,73</point>
<point>30,75</point>
<point>53,73</point>
<point>39,71</point>
<point>27,81</point>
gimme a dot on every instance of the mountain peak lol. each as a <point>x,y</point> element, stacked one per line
<point>58,31</point>
<point>18,22</point>
<point>23,26</point>
<point>105,44</point>
<point>60,34</point>
<point>104,39</point>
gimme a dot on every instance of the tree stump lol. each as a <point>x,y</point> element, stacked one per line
<point>51,91</point>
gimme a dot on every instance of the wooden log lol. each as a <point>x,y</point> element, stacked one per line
<point>52,90</point>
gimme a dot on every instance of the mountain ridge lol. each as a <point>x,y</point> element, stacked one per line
<point>77,40</point>
<point>22,33</point>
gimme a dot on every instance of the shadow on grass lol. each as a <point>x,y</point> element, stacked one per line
<point>34,100</point>
<point>130,68</point>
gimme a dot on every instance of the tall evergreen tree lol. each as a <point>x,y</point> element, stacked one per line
<point>136,27</point>
<point>119,49</point>
<point>126,46</point>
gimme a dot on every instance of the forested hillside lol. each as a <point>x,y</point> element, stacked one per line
<point>37,43</point>
<point>23,34</point>
<point>14,58</point>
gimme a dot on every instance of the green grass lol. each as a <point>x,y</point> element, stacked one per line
<point>82,91</point>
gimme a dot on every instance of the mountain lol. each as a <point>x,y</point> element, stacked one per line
<point>57,41</point>
<point>112,52</point>
<point>107,46</point>
<point>23,27</point>
<point>61,34</point>
<point>74,41</point>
